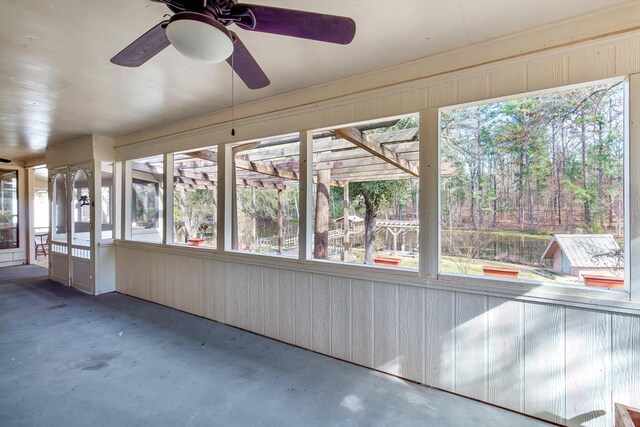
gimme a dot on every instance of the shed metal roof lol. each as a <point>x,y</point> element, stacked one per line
<point>586,250</point>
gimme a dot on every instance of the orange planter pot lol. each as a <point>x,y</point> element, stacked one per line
<point>504,272</point>
<point>195,242</point>
<point>389,261</point>
<point>603,281</point>
<point>626,416</point>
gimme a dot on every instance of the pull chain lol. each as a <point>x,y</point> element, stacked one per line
<point>233,130</point>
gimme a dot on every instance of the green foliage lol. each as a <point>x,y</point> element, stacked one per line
<point>194,211</point>
<point>337,202</point>
<point>377,194</point>
<point>520,159</point>
<point>405,122</point>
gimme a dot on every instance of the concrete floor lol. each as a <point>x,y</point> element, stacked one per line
<point>67,358</point>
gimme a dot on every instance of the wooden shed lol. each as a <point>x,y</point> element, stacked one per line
<point>579,254</point>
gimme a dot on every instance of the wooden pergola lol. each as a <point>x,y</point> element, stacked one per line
<point>340,156</point>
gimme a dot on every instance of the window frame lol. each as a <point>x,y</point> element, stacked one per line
<point>428,274</point>
<point>113,199</point>
<point>631,292</point>
<point>18,212</point>
<point>226,162</point>
<point>169,162</point>
<point>127,192</point>
<point>306,200</point>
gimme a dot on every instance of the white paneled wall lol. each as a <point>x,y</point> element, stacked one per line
<point>564,364</point>
<point>558,362</point>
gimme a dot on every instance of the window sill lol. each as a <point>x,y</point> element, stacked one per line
<point>580,296</point>
<point>188,246</point>
<point>11,250</point>
<point>570,296</point>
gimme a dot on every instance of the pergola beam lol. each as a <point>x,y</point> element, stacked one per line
<point>324,144</point>
<point>294,139</point>
<point>370,144</point>
<point>207,155</point>
<point>195,178</point>
<point>266,170</point>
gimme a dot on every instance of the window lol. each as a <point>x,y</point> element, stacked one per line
<point>9,209</point>
<point>146,199</point>
<point>41,200</point>
<point>532,188</point>
<point>106,193</point>
<point>81,216</point>
<point>59,208</point>
<point>365,206</point>
<point>195,198</point>
<point>265,211</point>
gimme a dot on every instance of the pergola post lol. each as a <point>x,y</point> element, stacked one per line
<point>280,221</point>
<point>394,232</point>
<point>346,244</point>
<point>254,236</point>
<point>321,227</point>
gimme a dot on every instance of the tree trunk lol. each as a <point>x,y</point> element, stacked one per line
<point>321,231</point>
<point>369,233</point>
<point>280,221</point>
<point>521,193</point>
<point>530,201</point>
<point>346,244</point>
<point>495,201</point>
<point>474,220</point>
<point>480,197</point>
<point>479,158</point>
<point>254,236</point>
<point>600,172</point>
<point>583,144</point>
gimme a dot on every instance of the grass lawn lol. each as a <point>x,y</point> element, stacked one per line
<point>453,265</point>
<point>474,267</point>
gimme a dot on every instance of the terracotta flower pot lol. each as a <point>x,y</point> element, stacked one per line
<point>626,416</point>
<point>504,272</point>
<point>389,261</point>
<point>194,241</point>
<point>603,281</point>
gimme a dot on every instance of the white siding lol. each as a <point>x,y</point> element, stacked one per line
<point>524,356</point>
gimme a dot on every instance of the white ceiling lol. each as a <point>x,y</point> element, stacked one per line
<point>56,81</point>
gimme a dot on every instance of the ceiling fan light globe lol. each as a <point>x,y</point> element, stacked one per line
<point>199,37</point>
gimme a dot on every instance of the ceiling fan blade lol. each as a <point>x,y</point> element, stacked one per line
<point>144,48</point>
<point>296,23</point>
<point>245,66</point>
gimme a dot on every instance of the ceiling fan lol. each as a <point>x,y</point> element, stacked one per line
<point>198,30</point>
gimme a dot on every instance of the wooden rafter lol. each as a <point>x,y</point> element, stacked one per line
<point>196,178</point>
<point>289,142</point>
<point>266,170</point>
<point>207,155</point>
<point>370,144</point>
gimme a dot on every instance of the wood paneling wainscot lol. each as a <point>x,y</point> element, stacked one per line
<point>563,364</point>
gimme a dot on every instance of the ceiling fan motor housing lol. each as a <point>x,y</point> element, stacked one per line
<point>199,37</point>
